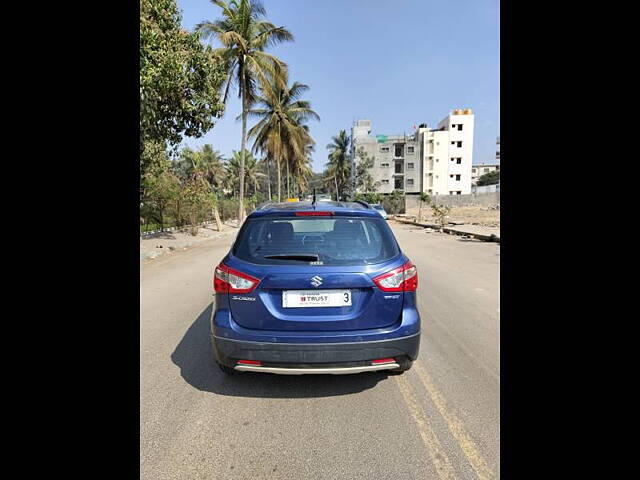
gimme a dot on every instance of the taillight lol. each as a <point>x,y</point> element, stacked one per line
<point>228,280</point>
<point>401,279</point>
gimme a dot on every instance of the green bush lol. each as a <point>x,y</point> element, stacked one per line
<point>394,203</point>
<point>368,197</point>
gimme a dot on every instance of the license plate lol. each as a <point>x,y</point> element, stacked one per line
<point>316,298</point>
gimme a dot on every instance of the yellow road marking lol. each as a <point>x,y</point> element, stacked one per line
<point>434,447</point>
<point>456,427</point>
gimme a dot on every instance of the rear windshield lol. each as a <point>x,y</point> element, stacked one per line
<point>316,240</point>
<point>378,207</point>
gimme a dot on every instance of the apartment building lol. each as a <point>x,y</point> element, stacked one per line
<point>432,160</point>
<point>480,169</point>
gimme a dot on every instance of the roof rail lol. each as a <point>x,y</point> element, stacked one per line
<point>264,205</point>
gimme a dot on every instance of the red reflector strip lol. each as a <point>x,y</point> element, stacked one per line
<point>313,213</point>
<point>382,360</point>
<point>249,362</point>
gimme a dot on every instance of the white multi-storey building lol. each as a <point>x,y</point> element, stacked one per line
<point>436,161</point>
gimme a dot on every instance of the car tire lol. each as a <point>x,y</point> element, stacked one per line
<point>227,370</point>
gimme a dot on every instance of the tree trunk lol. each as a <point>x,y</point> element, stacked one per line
<point>337,193</point>
<point>420,213</point>
<point>216,216</point>
<point>268,178</point>
<point>279,181</point>
<point>242,146</point>
<point>288,177</point>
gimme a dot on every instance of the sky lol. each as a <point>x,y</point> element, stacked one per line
<point>397,63</point>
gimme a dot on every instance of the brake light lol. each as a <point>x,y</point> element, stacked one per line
<point>401,279</point>
<point>228,280</point>
<point>313,213</point>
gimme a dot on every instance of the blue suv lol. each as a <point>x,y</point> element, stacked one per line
<point>315,288</point>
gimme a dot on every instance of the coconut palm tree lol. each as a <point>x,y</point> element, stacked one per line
<point>302,171</point>
<point>252,173</point>
<point>244,36</point>
<point>211,163</point>
<point>339,165</point>
<point>206,161</point>
<point>280,132</point>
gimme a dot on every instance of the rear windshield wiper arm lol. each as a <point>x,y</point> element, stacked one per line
<point>303,257</point>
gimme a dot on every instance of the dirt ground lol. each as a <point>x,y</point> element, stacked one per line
<point>172,241</point>
<point>469,215</point>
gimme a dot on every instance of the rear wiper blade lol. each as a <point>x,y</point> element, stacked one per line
<point>303,257</point>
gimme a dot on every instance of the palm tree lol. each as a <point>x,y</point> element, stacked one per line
<point>211,163</point>
<point>206,162</point>
<point>252,173</point>
<point>302,171</point>
<point>339,165</point>
<point>244,36</point>
<point>280,132</point>
<point>264,163</point>
<point>183,166</point>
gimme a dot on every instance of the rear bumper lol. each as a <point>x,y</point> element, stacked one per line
<point>337,355</point>
<point>317,370</point>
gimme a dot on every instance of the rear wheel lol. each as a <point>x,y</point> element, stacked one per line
<point>227,370</point>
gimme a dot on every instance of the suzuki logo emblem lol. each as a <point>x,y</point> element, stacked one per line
<point>316,281</point>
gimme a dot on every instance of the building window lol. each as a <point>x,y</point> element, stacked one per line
<point>410,181</point>
<point>473,170</point>
<point>457,177</point>
<point>384,149</point>
<point>410,150</point>
<point>398,150</point>
<point>410,166</point>
<point>385,182</point>
<point>453,143</point>
<point>450,176</point>
<point>459,143</point>
<point>486,170</point>
<point>460,127</point>
<point>459,160</point>
<point>384,165</point>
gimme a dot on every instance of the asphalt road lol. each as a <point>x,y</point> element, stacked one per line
<point>440,420</point>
